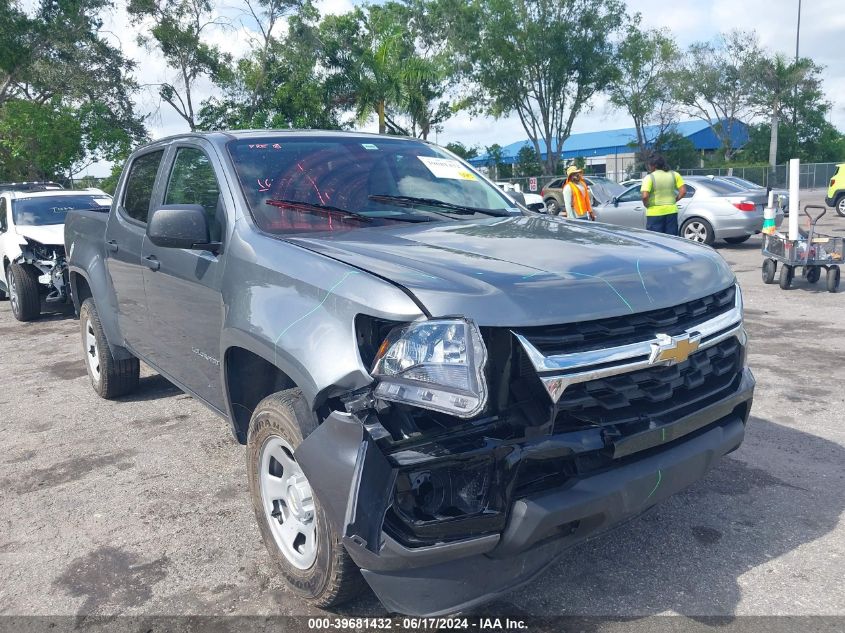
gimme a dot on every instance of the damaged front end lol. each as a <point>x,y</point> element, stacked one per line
<point>51,263</point>
<point>480,454</point>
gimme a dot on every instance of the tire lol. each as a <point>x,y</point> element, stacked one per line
<point>698,230</point>
<point>319,570</point>
<point>552,206</point>
<point>786,275</point>
<point>833,275</point>
<point>737,240</point>
<point>24,293</point>
<point>769,269</point>
<point>840,205</point>
<point>110,378</point>
<point>814,274</point>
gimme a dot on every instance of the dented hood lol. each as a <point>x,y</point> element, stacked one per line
<point>530,270</point>
<point>47,234</point>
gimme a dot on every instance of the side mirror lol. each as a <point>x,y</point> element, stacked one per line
<point>615,201</point>
<point>180,226</point>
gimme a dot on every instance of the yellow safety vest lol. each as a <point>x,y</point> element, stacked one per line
<point>663,194</point>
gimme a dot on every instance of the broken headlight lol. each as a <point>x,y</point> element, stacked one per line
<point>437,365</point>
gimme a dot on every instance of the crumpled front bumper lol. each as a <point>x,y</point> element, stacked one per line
<point>355,481</point>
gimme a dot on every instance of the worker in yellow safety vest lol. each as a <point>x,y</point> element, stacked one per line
<point>661,190</point>
<point>576,196</point>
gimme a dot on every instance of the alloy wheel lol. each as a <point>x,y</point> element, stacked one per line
<point>92,351</point>
<point>13,292</point>
<point>696,231</point>
<point>288,503</point>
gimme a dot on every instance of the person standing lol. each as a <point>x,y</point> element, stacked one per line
<point>661,190</point>
<point>576,196</point>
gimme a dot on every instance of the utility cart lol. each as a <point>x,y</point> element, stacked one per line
<point>811,253</point>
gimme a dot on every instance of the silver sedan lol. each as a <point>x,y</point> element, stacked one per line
<point>711,210</point>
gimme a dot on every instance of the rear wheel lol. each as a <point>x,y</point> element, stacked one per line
<point>833,278</point>
<point>22,281</point>
<point>737,240</point>
<point>110,378</point>
<point>769,269</point>
<point>786,275</point>
<point>293,525</point>
<point>698,230</point>
<point>814,274</point>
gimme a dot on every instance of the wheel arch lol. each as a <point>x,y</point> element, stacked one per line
<point>85,286</point>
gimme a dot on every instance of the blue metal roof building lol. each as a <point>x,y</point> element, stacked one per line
<point>614,142</point>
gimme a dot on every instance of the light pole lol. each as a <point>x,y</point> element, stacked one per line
<point>797,42</point>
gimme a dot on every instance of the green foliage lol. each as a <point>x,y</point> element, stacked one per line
<point>642,86</point>
<point>177,32</point>
<point>528,163</point>
<point>459,149</point>
<point>716,82</point>
<point>677,149</point>
<point>38,141</point>
<point>541,59</point>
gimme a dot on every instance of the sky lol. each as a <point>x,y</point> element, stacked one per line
<point>822,31</point>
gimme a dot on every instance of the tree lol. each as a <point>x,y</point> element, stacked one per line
<point>641,87</point>
<point>527,162</point>
<point>178,27</point>
<point>541,59</point>
<point>495,154</point>
<point>55,63</point>
<point>716,83</point>
<point>459,149</point>
<point>278,84</point>
<point>779,82</point>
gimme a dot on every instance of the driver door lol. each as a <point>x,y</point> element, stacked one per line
<point>628,210</point>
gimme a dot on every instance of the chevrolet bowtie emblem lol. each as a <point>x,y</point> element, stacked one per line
<point>671,350</point>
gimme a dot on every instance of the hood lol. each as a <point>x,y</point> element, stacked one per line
<point>530,270</point>
<point>47,234</point>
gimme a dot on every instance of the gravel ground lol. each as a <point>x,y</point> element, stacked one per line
<point>140,507</point>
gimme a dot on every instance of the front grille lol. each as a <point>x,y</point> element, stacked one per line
<point>632,328</point>
<point>705,376</point>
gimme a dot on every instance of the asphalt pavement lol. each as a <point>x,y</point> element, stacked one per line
<point>140,506</point>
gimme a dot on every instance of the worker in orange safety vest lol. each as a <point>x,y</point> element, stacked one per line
<point>576,196</point>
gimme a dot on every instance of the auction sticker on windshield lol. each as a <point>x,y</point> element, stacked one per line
<point>446,168</point>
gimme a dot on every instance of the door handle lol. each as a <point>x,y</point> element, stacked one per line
<point>152,262</point>
<point>112,246</point>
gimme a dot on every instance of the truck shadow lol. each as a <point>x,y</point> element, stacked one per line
<point>780,490</point>
<point>153,387</point>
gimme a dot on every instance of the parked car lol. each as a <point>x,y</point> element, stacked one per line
<point>434,387</point>
<point>631,182</point>
<point>836,191</point>
<point>601,190</point>
<point>711,210</point>
<point>529,200</point>
<point>781,196</point>
<point>32,253</point>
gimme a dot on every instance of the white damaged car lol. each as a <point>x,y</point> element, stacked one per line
<point>32,251</point>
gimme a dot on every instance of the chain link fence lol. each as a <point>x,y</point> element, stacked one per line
<point>811,175</point>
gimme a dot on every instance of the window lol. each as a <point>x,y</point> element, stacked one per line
<point>632,195</point>
<point>47,210</point>
<point>690,191</point>
<point>139,185</point>
<point>192,181</point>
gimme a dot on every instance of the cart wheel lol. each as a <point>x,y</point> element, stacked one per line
<point>786,275</point>
<point>770,266</point>
<point>814,274</point>
<point>833,278</point>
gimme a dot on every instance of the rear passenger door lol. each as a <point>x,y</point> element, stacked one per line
<point>183,285</point>
<point>125,234</point>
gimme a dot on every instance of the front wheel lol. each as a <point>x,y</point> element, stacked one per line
<point>22,281</point>
<point>110,378</point>
<point>552,207</point>
<point>293,525</point>
<point>786,275</point>
<point>737,240</point>
<point>769,269</point>
<point>698,230</point>
<point>840,206</point>
<point>833,278</point>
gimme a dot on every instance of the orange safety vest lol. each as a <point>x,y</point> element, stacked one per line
<point>580,199</point>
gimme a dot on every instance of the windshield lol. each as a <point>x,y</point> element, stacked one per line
<point>43,210</point>
<point>306,184</point>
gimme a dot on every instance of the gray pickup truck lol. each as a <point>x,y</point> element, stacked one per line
<point>439,391</point>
